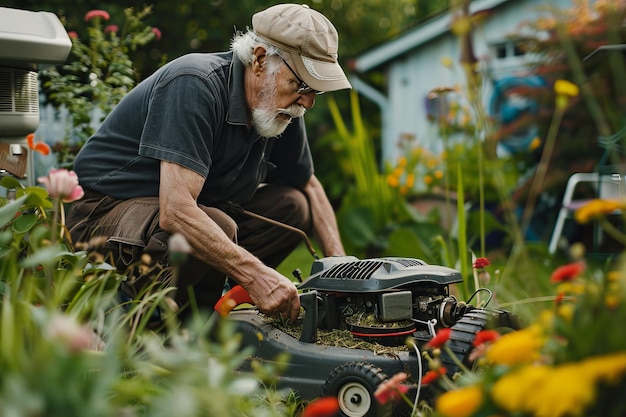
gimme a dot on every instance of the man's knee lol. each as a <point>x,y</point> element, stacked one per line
<point>223,220</point>
<point>292,207</point>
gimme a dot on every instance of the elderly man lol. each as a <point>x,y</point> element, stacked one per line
<point>208,132</point>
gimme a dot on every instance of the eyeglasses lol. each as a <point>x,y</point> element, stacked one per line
<point>304,87</point>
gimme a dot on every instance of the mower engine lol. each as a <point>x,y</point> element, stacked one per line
<point>382,300</point>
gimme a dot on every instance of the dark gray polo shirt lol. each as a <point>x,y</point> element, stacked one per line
<point>191,112</point>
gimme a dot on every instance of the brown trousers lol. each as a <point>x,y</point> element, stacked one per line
<point>131,229</point>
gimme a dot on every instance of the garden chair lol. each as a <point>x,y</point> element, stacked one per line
<point>608,182</point>
<point>606,186</point>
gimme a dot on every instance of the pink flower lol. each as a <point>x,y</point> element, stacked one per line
<point>93,14</point>
<point>480,263</point>
<point>72,34</point>
<point>62,184</point>
<point>440,338</point>
<point>391,389</point>
<point>322,407</point>
<point>111,29</point>
<point>157,33</point>
<point>65,329</point>
<point>567,272</point>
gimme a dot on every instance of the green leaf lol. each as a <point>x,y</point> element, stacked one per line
<point>10,182</point>
<point>4,250</point>
<point>44,256</point>
<point>25,222</point>
<point>36,197</point>
<point>6,237</point>
<point>8,212</point>
<point>357,225</point>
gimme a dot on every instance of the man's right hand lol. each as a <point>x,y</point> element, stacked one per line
<point>275,294</point>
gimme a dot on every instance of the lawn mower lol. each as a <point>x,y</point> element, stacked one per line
<point>378,305</point>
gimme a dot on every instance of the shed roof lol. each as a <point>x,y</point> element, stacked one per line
<point>421,34</point>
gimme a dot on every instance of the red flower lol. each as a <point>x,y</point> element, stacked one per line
<point>391,389</point>
<point>92,14</point>
<point>40,147</point>
<point>157,33</point>
<point>322,407</point>
<point>485,336</point>
<point>72,34</point>
<point>480,263</point>
<point>440,338</point>
<point>567,272</point>
<point>433,375</point>
<point>111,29</point>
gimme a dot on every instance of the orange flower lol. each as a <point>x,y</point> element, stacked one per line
<point>393,181</point>
<point>567,272</point>
<point>440,338</point>
<point>391,389</point>
<point>40,147</point>
<point>433,375</point>
<point>322,407</point>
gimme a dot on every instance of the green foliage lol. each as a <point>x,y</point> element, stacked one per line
<point>371,210</point>
<point>98,73</point>
<point>67,348</point>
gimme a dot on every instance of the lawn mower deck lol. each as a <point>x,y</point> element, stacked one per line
<point>378,304</point>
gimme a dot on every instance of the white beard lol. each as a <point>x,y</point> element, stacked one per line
<point>265,118</point>
<point>267,123</point>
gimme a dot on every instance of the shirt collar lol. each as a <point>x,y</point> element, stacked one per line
<point>237,109</point>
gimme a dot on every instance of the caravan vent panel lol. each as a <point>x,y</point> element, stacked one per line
<point>19,102</point>
<point>19,91</point>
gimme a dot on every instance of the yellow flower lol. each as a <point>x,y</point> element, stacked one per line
<point>612,301</point>
<point>614,276</point>
<point>398,171</point>
<point>462,402</point>
<point>428,179</point>
<point>512,391</point>
<point>596,208</point>
<point>571,288</point>
<point>432,163</point>
<point>393,181</point>
<point>516,347</point>
<point>610,367</point>
<point>566,88</point>
<point>410,180</point>
<point>402,161</point>
<point>567,383</point>
<point>438,174</point>
<point>566,311</point>
<point>564,91</point>
<point>536,142</point>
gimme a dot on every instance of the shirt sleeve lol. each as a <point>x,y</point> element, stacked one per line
<point>182,121</point>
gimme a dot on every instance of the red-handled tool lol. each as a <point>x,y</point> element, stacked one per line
<point>233,297</point>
